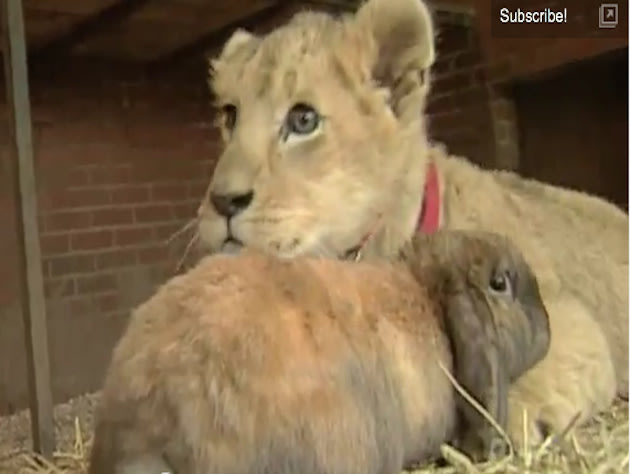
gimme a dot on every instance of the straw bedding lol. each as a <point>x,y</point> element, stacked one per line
<point>599,448</point>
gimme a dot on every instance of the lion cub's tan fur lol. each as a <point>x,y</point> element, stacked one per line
<point>363,169</point>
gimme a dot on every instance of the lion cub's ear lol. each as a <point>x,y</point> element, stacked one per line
<point>238,40</point>
<point>403,33</point>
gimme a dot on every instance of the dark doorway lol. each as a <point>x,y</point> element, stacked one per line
<point>574,126</point>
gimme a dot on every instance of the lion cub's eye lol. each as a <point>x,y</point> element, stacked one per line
<point>229,112</point>
<point>302,119</point>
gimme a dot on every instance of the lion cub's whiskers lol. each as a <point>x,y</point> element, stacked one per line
<point>190,244</point>
<point>191,224</point>
<point>182,230</point>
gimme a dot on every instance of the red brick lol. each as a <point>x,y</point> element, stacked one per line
<point>130,194</point>
<point>471,97</point>
<point>90,240</point>
<point>43,202</point>
<point>81,304</point>
<point>453,82</point>
<point>186,210</point>
<point>463,133</point>
<point>206,168</point>
<point>453,38</point>
<point>445,121</point>
<point>118,258</point>
<point>168,192</point>
<point>59,288</point>
<point>133,236</point>
<point>212,134</point>
<point>97,283</point>
<point>107,302</point>
<point>441,104</point>
<point>78,177</point>
<point>467,59</point>
<point>67,220</point>
<point>89,145</point>
<point>442,66</point>
<point>153,213</point>
<point>71,264</point>
<point>112,174</point>
<point>54,244</point>
<point>165,133</point>
<point>169,169</point>
<point>112,216</point>
<point>197,190</point>
<point>73,198</point>
<point>153,254</point>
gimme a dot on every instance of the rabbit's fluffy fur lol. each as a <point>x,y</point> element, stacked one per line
<point>255,364</point>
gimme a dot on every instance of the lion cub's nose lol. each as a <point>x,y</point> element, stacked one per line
<point>228,205</point>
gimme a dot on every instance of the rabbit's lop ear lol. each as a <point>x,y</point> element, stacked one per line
<point>478,369</point>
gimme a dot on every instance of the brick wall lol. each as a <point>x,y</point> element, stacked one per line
<point>122,160</point>
<point>458,107</point>
<point>469,107</point>
<point>121,163</point>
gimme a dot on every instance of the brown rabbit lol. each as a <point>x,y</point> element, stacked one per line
<point>255,364</point>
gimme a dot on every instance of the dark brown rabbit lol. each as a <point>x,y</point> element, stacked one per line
<point>258,365</point>
<point>493,315</point>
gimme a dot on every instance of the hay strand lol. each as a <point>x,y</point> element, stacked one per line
<point>600,447</point>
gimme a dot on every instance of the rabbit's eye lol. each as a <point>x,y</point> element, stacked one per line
<point>500,282</point>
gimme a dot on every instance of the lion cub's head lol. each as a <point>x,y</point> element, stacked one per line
<point>324,134</point>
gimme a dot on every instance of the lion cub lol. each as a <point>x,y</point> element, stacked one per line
<point>255,364</point>
<point>326,151</point>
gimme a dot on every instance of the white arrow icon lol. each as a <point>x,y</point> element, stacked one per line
<point>608,15</point>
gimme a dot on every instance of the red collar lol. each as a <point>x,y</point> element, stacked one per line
<point>429,219</point>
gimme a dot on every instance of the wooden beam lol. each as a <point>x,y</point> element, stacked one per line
<point>341,6</point>
<point>453,8</point>
<point>90,26</point>
<point>202,44</point>
<point>447,14</point>
<point>30,263</point>
<point>441,6</point>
